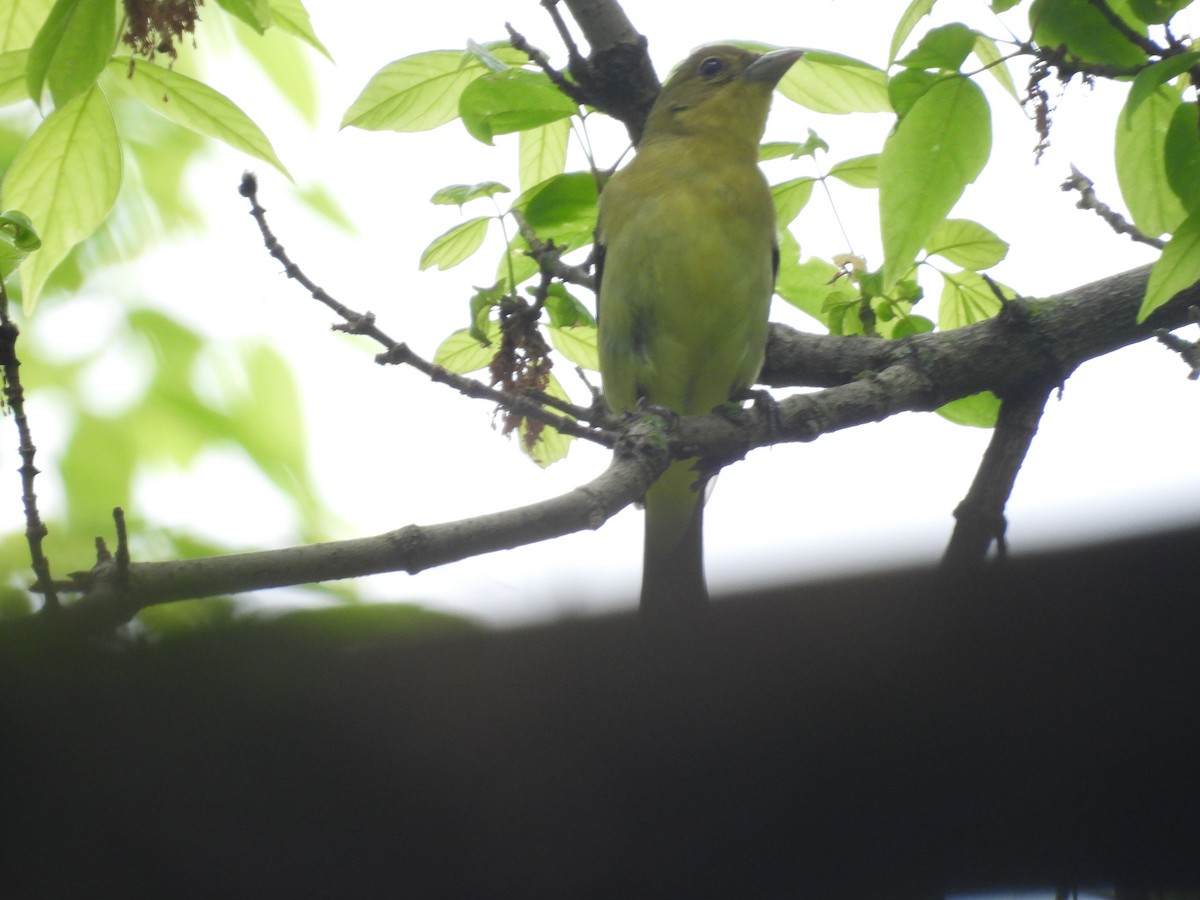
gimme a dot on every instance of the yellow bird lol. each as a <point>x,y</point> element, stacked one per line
<point>687,265</point>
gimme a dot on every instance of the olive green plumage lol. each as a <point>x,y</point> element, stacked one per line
<point>687,231</point>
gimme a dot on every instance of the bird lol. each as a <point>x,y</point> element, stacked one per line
<point>687,255</point>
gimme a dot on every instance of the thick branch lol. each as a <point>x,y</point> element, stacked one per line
<point>114,594</point>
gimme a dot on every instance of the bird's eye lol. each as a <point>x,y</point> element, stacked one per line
<point>711,67</point>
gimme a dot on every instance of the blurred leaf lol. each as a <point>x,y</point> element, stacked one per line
<point>65,179</point>
<point>458,194</point>
<point>790,197</point>
<point>916,11</point>
<point>1140,159</point>
<point>1155,12</point>
<point>946,48</point>
<point>456,245</point>
<point>1182,156</point>
<point>415,93</point>
<point>967,244</point>
<point>194,105</point>
<point>578,344</point>
<point>286,63</point>
<point>362,623</point>
<point>832,83</point>
<point>991,58</point>
<point>968,298</point>
<point>543,152</point>
<point>12,76</point>
<point>98,461</point>
<point>1086,32</point>
<point>20,21</point>
<point>318,198</point>
<point>291,16</point>
<point>516,261</point>
<point>977,411</point>
<point>71,49</point>
<point>183,617</point>
<point>860,172</point>
<point>255,13</point>
<point>512,100</point>
<point>1177,269</point>
<point>461,353</point>
<point>935,152</point>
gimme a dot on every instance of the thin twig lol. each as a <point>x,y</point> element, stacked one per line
<point>14,396</point>
<point>1141,41</point>
<point>539,59</point>
<point>397,353</point>
<point>1088,200</point>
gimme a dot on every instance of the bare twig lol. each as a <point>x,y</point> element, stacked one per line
<point>1141,41</point>
<point>397,353</point>
<point>1088,200</point>
<point>549,256</point>
<point>1189,351</point>
<point>539,59</point>
<point>14,396</point>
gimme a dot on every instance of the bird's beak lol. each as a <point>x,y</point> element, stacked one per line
<point>770,67</point>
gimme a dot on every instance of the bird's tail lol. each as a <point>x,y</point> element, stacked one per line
<point>673,586</point>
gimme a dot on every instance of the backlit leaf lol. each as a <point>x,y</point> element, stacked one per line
<point>456,245</point>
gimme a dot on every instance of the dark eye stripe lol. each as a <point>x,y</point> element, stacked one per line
<point>711,66</point>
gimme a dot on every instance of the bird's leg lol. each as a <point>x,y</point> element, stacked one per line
<point>765,403</point>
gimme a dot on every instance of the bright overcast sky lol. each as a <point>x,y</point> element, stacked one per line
<point>1116,455</point>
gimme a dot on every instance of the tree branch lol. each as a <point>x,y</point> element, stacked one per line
<point>1035,343</point>
<point>979,519</point>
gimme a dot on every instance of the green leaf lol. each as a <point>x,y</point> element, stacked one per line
<point>999,6</point>
<point>20,22</point>
<point>512,100</point>
<point>1086,32</point>
<point>977,411</point>
<point>562,208</point>
<point>778,150</point>
<point>17,240</point>
<point>551,445</point>
<point>908,86</point>
<point>942,48</point>
<point>71,49</point>
<point>1147,82</point>
<point>1155,12</point>
<point>565,310</point>
<point>1182,156</point>
<point>859,172</point>
<point>808,285</point>
<point>65,179</point>
<point>543,152</point>
<point>935,152</point>
<point>458,194</point>
<point>1177,269</point>
<point>989,55</point>
<point>255,13</point>
<point>461,353</point>
<point>916,11</point>
<point>415,93</point>
<point>578,344</point>
<point>1140,159</point>
<point>967,244</point>
<point>454,246</point>
<point>790,197</point>
<point>967,298</point>
<point>832,83</point>
<point>12,76</point>
<point>292,17</point>
<point>195,106</point>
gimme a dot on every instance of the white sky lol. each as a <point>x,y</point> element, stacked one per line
<point>1116,455</point>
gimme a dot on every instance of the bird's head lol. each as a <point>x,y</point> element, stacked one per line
<point>719,90</point>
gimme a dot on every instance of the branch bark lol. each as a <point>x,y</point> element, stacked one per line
<point>1035,343</point>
